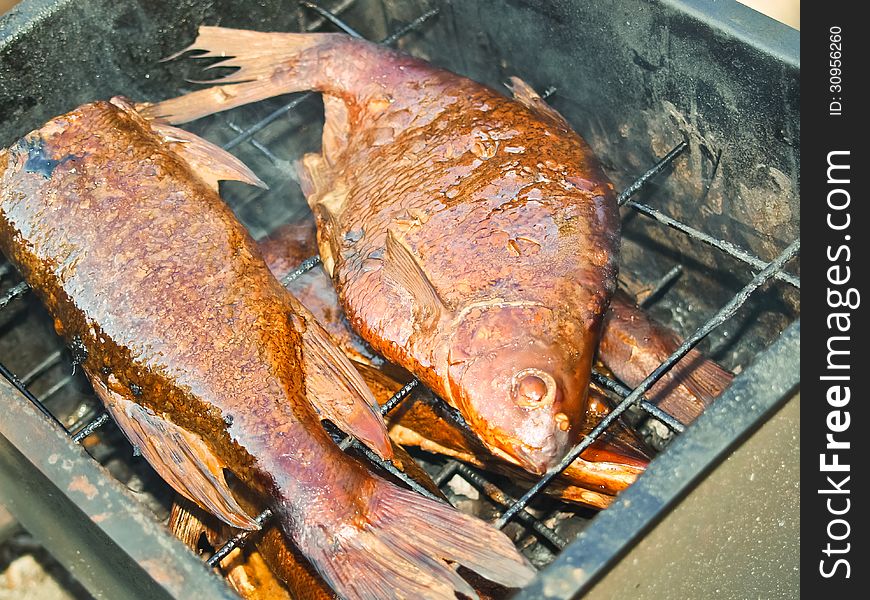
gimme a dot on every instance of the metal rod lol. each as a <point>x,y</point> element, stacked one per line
<point>13,293</point>
<point>725,313</point>
<point>317,23</point>
<point>16,383</point>
<point>394,401</point>
<point>644,179</point>
<point>726,247</point>
<point>50,392</point>
<point>664,281</point>
<point>49,361</point>
<point>616,387</point>
<point>392,469</point>
<point>446,472</point>
<point>91,427</point>
<point>734,251</point>
<point>237,540</point>
<point>256,144</point>
<point>306,265</point>
<point>403,31</point>
<point>268,119</point>
<point>332,18</point>
<point>503,500</point>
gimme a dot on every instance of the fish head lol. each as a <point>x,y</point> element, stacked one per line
<point>519,374</point>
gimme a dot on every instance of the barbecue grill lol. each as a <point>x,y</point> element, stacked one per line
<point>693,109</point>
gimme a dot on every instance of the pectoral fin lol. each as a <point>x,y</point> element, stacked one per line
<point>526,95</point>
<point>402,268</point>
<point>338,392</point>
<point>210,162</point>
<point>180,457</point>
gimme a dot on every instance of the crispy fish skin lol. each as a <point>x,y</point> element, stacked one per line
<point>207,363</point>
<point>473,238</point>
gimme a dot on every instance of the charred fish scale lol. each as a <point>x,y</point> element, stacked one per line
<point>512,211</point>
<point>208,364</point>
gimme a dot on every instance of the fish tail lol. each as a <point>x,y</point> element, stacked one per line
<point>269,64</point>
<point>400,549</point>
<point>633,344</point>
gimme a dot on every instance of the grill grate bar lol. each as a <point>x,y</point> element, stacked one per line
<point>50,392</point>
<point>332,18</point>
<point>726,247</point>
<point>399,396</point>
<point>644,179</point>
<point>50,360</point>
<point>91,427</point>
<point>237,540</point>
<point>256,144</point>
<point>318,23</point>
<point>13,293</point>
<point>307,264</point>
<point>661,285</point>
<point>16,383</point>
<point>446,472</point>
<point>616,387</point>
<point>504,500</point>
<point>725,313</point>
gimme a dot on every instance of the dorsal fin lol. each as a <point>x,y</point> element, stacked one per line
<point>402,268</point>
<point>212,163</point>
<point>180,457</point>
<point>337,391</point>
<point>527,96</point>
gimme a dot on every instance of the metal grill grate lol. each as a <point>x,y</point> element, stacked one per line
<point>511,508</point>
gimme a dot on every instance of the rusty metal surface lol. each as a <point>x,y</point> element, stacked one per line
<point>94,526</point>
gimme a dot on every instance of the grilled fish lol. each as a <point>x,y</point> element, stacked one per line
<point>473,238</point>
<point>208,364</point>
<point>632,344</point>
<point>603,470</point>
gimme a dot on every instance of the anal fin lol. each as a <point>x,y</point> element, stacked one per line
<point>337,390</point>
<point>180,457</point>
<point>212,163</point>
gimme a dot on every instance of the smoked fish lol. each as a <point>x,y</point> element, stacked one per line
<point>206,362</point>
<point>593,479</point>
<point>473,238</point>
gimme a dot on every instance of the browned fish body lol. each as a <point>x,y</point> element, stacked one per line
<point>473,238</point>
<point>271,569</point>
<point>207,363</point>
<point>632,343</point>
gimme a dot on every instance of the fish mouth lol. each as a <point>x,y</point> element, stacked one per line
<point>533,460</point>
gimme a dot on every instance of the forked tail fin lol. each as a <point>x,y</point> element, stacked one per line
<point>401,547</point>
<point>269,64</point>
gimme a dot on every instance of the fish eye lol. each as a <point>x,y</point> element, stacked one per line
<point>533,388</point>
